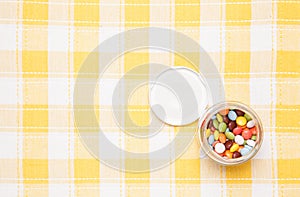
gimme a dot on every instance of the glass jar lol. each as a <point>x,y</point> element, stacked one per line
<point>207,148</point>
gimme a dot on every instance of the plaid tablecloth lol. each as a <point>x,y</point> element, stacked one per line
<point>255,45</point>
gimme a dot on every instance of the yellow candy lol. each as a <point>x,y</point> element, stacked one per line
<point>234,148</point>
<point>241,121</point>
<point>207,133</point>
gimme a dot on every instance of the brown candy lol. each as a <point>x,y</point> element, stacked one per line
<point>228,144</point>
<point>239,112</point>
<point>226,119</point>
<point>231,125</point>
<point>236,154</point>
<point>210,124</point>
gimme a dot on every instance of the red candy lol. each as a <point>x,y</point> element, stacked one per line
<point>237,130</point>
<point>247,134</point>
<point>253,130</point>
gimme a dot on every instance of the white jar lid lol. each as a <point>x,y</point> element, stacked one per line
<point>179,96</point>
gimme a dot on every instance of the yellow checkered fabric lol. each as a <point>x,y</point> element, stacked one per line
<point>255,44</point>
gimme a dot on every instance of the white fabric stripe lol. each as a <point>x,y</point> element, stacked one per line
<point>211,190</point>
<point>261,189</point>
<point>8,89</point>
<point>273,99</point>
<point>9,189</point>
<point>8,37</point>
<point>8,145</point>
<point>58,190</point>
<point>109,189</point>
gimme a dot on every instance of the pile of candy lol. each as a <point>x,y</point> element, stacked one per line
<point>231,133</point>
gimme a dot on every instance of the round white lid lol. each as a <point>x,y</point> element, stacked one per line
<point>179,96</point>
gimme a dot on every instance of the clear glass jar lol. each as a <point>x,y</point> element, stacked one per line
<point>203,124</point>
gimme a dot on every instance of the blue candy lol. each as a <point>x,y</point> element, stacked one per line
<point>249,147</point>
<point>244,151</point>
<point>232,115</point>
<point>211,139</point>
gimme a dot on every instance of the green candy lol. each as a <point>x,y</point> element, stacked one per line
<point>222,127</point>
<point>207,134</point>
<point>216,123</point>
<point>219,118</point>
<point>253,137</point>
<point>216,134</point>
<point>248,117</point>
<point>229,135</point>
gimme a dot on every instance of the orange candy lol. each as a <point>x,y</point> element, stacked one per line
<point>228,154</point>
<point>224,112</point>
<point>222,138</point>
<point>244,127</point>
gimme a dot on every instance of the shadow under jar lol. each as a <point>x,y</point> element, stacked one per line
<point>230,133</point>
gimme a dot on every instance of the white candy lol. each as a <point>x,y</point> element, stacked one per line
<point>219,148</point>
<point>239,139</point>
<point>251,124</point>
<point>251,143</point>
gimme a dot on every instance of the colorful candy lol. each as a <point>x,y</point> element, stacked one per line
<point>231,133</point>
<point>211,139</point>
<point>216,123</point>
<point>207,133</point>
<point>236,154</point>
<point>241,121</point>
<point>253,130</point>
<point>239,112</point>
<point>219,118</point>
<point>249,147</point>
<point>232,115</point>
<point>222,127</point>
<point>251,143</point>
<point>215,142</point>
<point>222,138</point>
<point>244,151</point>
<point>250,124</point>
<point>234,148</point>
<point>237,130</point>
<point>228,144</point>
<point>219,148</point>
<point>239,140</point>
<point>248,117</point>
<point>228,154</point>
<point>247,134</point>
<point>226,119</point>
<point>231,125</point>
<point>224,112</point>
<point>216,135</point>
<point>240,148</point>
